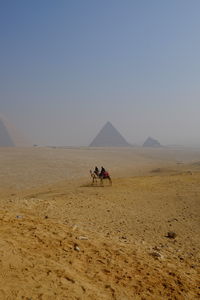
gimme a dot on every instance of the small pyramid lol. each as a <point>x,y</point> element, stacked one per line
<point>150,142</point>
<point>109,136</point>
<point>9,136</point>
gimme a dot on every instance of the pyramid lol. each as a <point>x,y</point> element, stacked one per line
<point>109,136</point>
<point>9,136</point>
<point>5,138</point>
<point>150,142</point>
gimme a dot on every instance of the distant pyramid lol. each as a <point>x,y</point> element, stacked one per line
<point>5,138</point>
<point>150,142</point>
<point>9,136</point>
<point>109,136</point>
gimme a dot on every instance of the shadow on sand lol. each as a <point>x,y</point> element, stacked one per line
<point>94,185</point>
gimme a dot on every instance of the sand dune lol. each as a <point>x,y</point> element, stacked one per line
<point>71,240</point>
<point>28,167</point>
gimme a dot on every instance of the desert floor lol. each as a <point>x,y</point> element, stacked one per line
<point>63,238</point>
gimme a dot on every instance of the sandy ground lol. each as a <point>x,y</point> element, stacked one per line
<point>62,238</point>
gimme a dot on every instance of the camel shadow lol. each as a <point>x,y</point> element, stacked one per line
<point>90,185</point>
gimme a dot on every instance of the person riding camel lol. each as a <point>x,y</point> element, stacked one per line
<point>100,175</point>
<point>103,172</point>
<point>96,171</point>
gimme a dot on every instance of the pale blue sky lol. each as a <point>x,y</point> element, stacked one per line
<point>67,67</point>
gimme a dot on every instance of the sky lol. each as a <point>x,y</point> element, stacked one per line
<point>69,66</point>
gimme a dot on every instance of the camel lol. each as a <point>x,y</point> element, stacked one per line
<point>95,177</point>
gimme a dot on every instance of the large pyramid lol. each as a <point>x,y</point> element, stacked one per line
<point>109,136</point>
<point>9,136</point>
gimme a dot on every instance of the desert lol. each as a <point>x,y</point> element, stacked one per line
<point>63,238</point>
<point>100,150</point>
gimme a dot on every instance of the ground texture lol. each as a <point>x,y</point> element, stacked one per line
<point>136,239</point>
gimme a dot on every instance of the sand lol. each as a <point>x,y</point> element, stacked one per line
<point>62,238</point>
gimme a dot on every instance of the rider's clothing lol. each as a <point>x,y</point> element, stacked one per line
<point>96,171</point>
<point>103,173</point>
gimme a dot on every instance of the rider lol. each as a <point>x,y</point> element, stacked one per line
<point>102,173</point>
<point>96,171</point>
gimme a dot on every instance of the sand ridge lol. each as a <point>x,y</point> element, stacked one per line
<point>41,261</point>
<point>72,240</point>
<point>125,254</point>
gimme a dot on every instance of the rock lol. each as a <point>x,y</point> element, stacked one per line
<point>180,257</point>
<point>193,267</point>
<point>155,254</point>
<point>76,247</point>
<point>19,217</point>
<point>156,248</point>
<point>171,235</point>
<point>74,227</point>
<point>173,219</point>
<point>82,238</point>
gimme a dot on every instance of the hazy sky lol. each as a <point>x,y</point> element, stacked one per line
<point>69,66</point>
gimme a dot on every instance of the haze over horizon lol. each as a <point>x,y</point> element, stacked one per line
<point>68,67</point>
